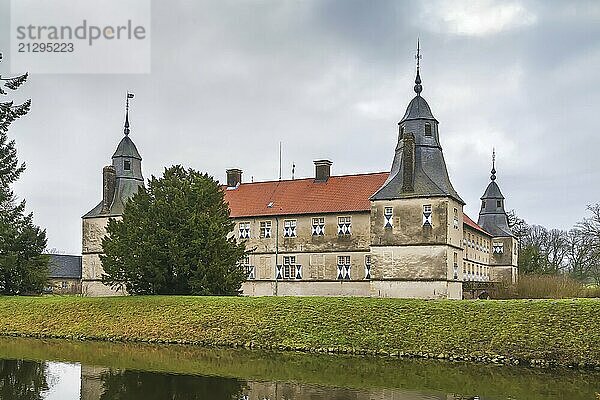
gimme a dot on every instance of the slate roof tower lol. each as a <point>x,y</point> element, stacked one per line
<point>416,216</point>
<point>493,218</point>
<point>418,169</point>
<point>120,181</point>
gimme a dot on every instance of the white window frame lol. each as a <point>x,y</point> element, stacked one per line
<point>388,217</point>
<point>344,266</point>
<point>244,230</point>
<point>289,228</point>
<point>427,213</point>
<point>367,266</point>
<point>318,226</point>
<point>248,268</point>
<point>290,270</point>
<point>345,225</point>
<point>265,229</point>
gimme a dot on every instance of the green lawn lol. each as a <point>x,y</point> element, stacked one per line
<point>560,331</point>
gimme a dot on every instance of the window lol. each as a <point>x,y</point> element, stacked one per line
<point>127,165</point>
<point>289,269</point>
<point>498,203</point>
<point>427,215</point>
<point>482,204</point>
<point>344,225</point>
<point>249,269</point>
<point>455,265</point>
<point>244,230</point>
<point>289,228</point>
<point>265,229</point>
<point>388,213</point>
<point>455,218</point>
<point>367,266</point>
<point>427,129</point>
<point>401,132</point>
<point>343,268</point>
<point>498,248</point>
<point>318,226</point>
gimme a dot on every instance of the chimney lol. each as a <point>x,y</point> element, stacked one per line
<point>322,170</point>
<point>234,177</point>
<point>408,163</point>
<point>109,180</point>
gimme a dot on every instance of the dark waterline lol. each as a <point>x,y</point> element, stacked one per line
<point>32,369</point>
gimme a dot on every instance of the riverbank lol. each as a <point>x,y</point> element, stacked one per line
<point>376,375</point>
<point>540,332</point>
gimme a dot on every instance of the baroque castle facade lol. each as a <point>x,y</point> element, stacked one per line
<point>401,233</point>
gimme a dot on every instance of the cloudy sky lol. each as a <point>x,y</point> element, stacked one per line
<point>331,79</point>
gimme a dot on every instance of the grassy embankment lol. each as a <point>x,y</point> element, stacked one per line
<point>562,332</point>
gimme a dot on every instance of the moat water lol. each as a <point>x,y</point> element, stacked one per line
<point>32,369</point>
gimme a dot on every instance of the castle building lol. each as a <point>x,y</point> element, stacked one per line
<point>120,181</point>
<point>400,234</point>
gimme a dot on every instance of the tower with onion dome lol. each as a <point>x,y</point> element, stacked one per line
<point>120,181</point>
<point>416,216</point>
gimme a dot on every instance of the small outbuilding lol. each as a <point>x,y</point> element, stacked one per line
<point>64,275</point>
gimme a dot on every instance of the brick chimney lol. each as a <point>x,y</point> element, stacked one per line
<point>109,182</point>
<point>234,177</point>
<point>322,170</point>
<point>408,163</point>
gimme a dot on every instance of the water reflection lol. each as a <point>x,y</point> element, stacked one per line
<point>23,380</point>
<point>104,371</point>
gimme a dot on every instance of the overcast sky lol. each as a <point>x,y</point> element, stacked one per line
<point>331,79</point>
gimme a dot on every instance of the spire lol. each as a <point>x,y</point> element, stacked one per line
<point>418,87</point>
<point>126,130</point>
<point>493,177</point>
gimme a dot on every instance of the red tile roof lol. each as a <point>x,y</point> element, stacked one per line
<point>345,193</point>
<point>468,221</point>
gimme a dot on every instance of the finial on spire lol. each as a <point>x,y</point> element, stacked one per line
<point>418,87</point>
<point>126,130</point>
<point>493,177</point>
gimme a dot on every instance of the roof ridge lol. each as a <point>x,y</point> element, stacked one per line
<point>312,178</point>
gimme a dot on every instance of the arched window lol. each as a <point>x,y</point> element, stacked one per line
<point>427,129</point>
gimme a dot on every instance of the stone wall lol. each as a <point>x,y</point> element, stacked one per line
<point>94,229</point>
<point>395,289</point>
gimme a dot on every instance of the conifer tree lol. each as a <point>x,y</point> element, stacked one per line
<point>174,238</point>
<point>23,267</point>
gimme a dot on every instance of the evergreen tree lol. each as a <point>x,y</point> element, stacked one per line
<point>174,238</point>
<point>23,268</point>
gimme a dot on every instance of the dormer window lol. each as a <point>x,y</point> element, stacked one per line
<point>127,165</point>
<point>427,129</point>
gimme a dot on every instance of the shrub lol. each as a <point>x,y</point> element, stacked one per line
<point>546,287</point>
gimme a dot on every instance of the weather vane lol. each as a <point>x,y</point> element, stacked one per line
<point>418,86</point>
<point>418,56</point>
<point>493,164</point>
<point>126,130</point>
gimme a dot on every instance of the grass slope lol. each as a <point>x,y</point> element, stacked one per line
<point>559,331</point>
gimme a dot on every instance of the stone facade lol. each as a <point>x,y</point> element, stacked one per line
<point>400,233</point>
<point>120,181</point>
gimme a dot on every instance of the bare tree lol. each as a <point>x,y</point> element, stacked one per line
<point>590,229</point>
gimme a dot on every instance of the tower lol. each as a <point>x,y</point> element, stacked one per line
<point>120,181</point>
<point>416,216</point>
<point>493,218</point>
